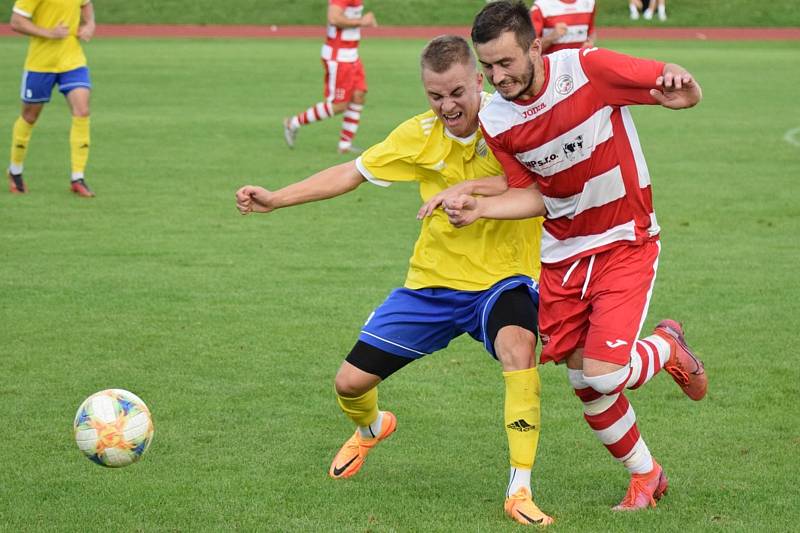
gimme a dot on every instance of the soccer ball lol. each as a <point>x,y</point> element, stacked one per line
<point>113,427</point>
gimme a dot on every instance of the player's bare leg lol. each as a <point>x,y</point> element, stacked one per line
<point>79,140</point>
<point>20,138</point>
<point>357,395</point>
<point>515,349</point>
<point>350,122</point>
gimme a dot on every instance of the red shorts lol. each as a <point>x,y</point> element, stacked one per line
<point>602,314</point>
<point>341,79</point>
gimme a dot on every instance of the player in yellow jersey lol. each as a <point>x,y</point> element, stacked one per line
<point>477,280</point>
<point>54,58</point>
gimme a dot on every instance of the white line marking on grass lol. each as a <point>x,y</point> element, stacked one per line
<point>791,136</point>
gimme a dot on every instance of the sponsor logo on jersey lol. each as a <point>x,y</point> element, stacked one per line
<point>573,148</point>
<point>544,162</point>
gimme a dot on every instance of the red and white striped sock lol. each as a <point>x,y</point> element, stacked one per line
<point>650,356</point>
<point>316,112</point>
<point>613,421</point>
<point>352,116</point>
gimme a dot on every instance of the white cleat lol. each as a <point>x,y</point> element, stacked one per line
<point>289,133</point>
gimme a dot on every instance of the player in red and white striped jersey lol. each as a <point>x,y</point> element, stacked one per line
<point>560,123</point>
<point>562,24</point>
<point>345,82</point>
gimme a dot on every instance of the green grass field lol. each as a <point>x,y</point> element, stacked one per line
<point>231,328</point>
<point>738,13</point>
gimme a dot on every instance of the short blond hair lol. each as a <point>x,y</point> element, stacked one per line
<point>444,51</point>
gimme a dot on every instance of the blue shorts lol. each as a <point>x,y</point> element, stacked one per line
<point>413,323</point>
<point>38,86</point>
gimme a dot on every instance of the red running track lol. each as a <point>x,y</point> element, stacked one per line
<point>424,32</point>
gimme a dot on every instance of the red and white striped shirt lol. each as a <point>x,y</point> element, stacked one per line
<point>342,43</point>
<point>578,15</point>
<point>576,140</point>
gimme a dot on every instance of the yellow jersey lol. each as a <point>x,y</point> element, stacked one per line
<point>471,258</point>
<point>53,55</point>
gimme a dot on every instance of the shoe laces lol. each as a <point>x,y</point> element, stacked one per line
<point>638,486</point>
<point>677,372</point>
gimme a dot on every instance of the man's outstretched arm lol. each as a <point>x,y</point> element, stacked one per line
<point>328,183</point>
<point>514,204</point>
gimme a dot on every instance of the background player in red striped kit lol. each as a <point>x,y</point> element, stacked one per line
<point>560,124</point>
<point>561,24</point>
<point>345,81</point>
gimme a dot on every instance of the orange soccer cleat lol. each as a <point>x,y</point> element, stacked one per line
<point>352,455</point>
<point>644,490</point>
<point>81,188</point>
<point>685,368</point>
<point>15,183</point>
<point>520,507</point>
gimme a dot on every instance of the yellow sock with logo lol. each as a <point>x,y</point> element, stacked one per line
<point>20,137</point>
<point>363,410</point>
<point>522,415</point>
<point>523,418</point>
<point>79,145</point>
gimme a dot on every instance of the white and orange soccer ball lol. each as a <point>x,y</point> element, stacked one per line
<point>113,427</point>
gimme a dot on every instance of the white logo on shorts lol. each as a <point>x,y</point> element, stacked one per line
<point>616,344</point>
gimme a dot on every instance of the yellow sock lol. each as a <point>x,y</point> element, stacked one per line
<point>522,416</point>
<point>362,410</point>
<point>79,145</point>
<point>20,137</point>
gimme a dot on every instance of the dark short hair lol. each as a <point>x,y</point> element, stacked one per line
<point>444,51</point>
<point>496,18</point>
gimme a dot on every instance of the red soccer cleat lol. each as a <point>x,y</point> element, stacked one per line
<point>15,183</point>
<point>644,490</point>
<point>81,188</point>
<point>685,368</point>
<point>351,456</point>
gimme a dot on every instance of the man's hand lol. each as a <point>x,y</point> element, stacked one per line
<point>86,32</point>
<point>252,199</point>
<point>677,88</point>
<point>447,195</point>
<point>462,211</point>
<point>369,20</point>
<point>561,29</point>
<point>59,32</point>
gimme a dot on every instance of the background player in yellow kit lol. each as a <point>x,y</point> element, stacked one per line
<point>477,280</point>
<point>54,58</point>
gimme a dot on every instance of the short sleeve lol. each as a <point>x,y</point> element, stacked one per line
<point>620,79</point>
<point>26,7</point>
<point>340,3</point>
<point>516,174</point>
<point>394,158</point>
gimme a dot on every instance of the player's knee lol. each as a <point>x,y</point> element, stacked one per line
<point>609,382</point>
<point>359,98</point>
<point>515,348</point>
<point>31,115</point>
<point>348,385</point>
